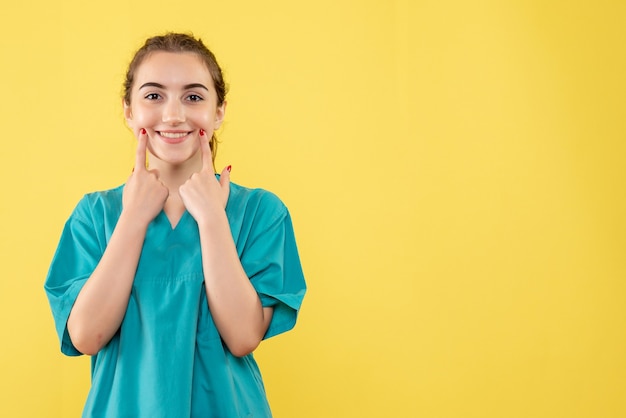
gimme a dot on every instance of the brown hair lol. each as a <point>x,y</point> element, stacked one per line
<point>179,42</point>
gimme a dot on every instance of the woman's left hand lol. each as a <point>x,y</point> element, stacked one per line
<point>202,194</point>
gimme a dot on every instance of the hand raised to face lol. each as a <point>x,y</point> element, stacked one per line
<point>202,194</point>
<point>144,194</point>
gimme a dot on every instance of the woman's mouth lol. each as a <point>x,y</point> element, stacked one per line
<point>173,137</point>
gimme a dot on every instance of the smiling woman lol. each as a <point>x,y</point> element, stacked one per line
<point>173,98</point>
<point>171,281</point>
<point>183,44</point>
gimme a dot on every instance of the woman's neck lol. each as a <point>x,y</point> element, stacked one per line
<point>175,175</point>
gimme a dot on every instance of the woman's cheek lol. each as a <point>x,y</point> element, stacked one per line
<point>204,121</point>
<point>140,122</point>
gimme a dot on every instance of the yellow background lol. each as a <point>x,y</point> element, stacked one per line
<point>455,171</point>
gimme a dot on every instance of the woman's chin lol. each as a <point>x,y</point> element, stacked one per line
<point>174,159</point>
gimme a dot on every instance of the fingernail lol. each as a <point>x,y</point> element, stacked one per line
<point>228,168</point>
<point>143,131</point>
<point>201,132</point>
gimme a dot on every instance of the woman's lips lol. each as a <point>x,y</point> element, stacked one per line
<point>173,137</point>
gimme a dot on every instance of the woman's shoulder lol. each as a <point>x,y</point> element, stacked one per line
<point>260,201</point>
<point>249,195</point>
<point>101,201</point>
<point>108,196</point>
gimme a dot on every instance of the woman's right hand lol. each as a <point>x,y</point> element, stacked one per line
<point>103,300</point>
<point>144,194</point>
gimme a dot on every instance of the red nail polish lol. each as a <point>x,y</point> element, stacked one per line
<point>143,131</point>
<point>201,132</point>
<point>228,168</point>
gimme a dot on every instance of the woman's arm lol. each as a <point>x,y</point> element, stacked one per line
<point>233,301</point>
<point>101,304</point>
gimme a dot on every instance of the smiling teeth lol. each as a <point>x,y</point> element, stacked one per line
<point>173,135</point>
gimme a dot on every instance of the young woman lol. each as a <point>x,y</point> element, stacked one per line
<point>172,280</point>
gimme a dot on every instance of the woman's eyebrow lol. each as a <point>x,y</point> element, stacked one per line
<point>195,85</point>
<point>157,85</point>
<point>185,87</point>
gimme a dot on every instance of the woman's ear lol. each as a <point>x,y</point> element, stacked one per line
<point>220,112</point>
<point>128,114</point>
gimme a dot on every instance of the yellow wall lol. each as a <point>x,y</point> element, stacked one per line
<point>455,171</point>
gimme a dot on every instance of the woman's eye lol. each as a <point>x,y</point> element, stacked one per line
<point>153,96</point>
<point>194,98</point>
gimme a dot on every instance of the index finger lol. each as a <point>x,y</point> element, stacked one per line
<point>207,154</point>
<point>140,156</point>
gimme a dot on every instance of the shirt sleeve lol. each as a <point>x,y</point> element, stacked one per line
<point>271,261</point>
<point>76,257</point>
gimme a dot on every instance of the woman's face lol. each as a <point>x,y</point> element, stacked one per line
<point>173,98</point>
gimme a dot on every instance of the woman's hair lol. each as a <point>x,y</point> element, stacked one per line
<point>179,42</point>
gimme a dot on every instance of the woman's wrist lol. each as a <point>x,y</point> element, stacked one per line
<point>128,220</point>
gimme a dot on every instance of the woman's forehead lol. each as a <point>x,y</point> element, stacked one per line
<point>172,68</point>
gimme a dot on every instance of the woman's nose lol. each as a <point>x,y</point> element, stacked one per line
<point>173,113</point>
